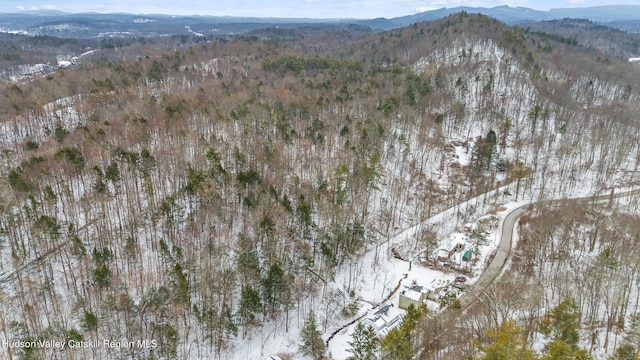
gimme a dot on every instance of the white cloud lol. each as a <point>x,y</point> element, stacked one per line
<point>44,7</point>
<point>426,5</point>
<point>425,8</point>
<point>20,8</point>
<point>404,2</point>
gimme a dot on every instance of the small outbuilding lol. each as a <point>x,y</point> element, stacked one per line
<point>466,256</point>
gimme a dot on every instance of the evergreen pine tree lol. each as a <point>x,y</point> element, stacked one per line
<point>396,345</point>
<point>274,286</point>
<point>312,343</point>
<point>365,344</point>
<point>561,323</point>
<point>559,349</point>
<point>507,342</point>
<point>250,305</point>
<point>624,352</point>
<point>520,171</point>
<point>492,151</point>
<point>180,285</point>
<point>484,152</point>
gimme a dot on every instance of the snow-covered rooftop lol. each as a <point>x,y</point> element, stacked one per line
<point>412,294</point>
<point>384,319</point>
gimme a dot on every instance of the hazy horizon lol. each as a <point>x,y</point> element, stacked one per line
<point>315,9</point>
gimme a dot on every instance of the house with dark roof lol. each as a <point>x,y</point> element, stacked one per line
<point>384,319</point>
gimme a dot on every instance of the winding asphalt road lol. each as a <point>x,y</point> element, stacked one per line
<point>493,270</point>
<point>502,254</point>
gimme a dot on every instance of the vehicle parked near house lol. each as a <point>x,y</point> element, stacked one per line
<point>459,282</point>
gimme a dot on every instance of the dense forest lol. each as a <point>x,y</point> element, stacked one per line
<point>219,196</point>
<point>611,41</point>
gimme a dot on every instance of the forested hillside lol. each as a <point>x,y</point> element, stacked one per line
<point>612,42</point>
<point>221,198</point>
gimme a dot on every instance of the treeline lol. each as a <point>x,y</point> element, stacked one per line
<point>570,40</point>
<point>297,64</point>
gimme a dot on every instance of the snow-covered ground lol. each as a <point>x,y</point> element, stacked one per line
<point>415,190</point>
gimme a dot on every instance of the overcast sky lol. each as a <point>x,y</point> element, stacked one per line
<point>283,8</point>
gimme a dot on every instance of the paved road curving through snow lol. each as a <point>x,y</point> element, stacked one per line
<point>495,267</point>
<point>502,253</point>
<point>493,270</point>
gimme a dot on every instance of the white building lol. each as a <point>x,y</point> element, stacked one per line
<point>385,319</point>
<point>415,295</point>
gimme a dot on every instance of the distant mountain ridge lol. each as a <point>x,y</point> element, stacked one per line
<point>39,23</point>
<point>519,15</point>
